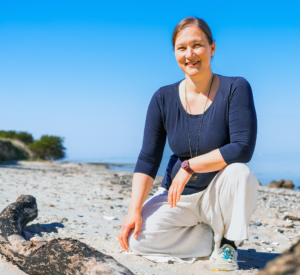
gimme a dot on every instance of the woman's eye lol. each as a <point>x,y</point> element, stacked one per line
<point>181,48</point>
<point>197,45</point>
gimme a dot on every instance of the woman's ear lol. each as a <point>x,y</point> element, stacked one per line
<point>213,48</point>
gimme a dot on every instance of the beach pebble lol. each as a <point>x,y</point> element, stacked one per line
<point>262,241</point>
<point>37,239</point>
<point>289,221</point>
<point>51,205</point>
<point>80,216</point>
<point>263,248</point>
<point>278,230</point>
<point>275,243</point>
<point>270,249</point>
<point>110,218</point>
<point>255,237</point>
<point>256,224</point>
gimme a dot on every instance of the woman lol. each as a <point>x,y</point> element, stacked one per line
<point>210,122</point>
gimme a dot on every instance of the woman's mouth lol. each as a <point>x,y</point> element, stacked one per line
<point>192,64</point>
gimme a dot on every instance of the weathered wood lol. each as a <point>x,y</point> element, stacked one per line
<point>55,257</point>
<point>288,263</point>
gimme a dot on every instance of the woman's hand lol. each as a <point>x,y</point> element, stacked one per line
<point>178,184</point>
<point>132,220</point>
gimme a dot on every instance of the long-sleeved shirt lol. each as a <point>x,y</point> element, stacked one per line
<point>229,125</point>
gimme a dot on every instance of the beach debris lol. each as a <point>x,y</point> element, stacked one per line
<point>110,218</point>
<point>287,263</point>
<point>254,237</point>
<point>289,221</point>
<point>262,241</point>
<point>275,243</point>
<point>54,257</point>
<point>256,224</point>
<point>51,205</point>
<point>270,249</point>
<point>80,216</point>
<point>292,218</point>
<point>279,230</point>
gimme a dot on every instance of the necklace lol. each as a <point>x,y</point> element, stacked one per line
<point>194,176</point>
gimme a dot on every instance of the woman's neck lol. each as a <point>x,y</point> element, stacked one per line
<point>199,84</point>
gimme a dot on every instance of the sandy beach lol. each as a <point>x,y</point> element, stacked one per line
<point>88,202</point>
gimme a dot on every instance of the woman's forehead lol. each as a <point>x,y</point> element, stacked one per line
<point>190,34</point>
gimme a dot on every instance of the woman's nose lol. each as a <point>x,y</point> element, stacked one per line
<point>189,53</point>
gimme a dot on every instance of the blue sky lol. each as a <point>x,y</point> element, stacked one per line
<point>86,70</point>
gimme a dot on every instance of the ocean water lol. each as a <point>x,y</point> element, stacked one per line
<point>266,167</point>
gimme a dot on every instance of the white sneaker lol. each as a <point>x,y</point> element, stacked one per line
<point>226,260</point>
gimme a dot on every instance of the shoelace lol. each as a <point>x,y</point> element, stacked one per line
<point>227,254</point>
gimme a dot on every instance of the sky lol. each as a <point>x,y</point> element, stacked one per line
<point>86,70</point>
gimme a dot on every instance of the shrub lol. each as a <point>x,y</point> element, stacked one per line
<point>22,136</point>
<point>48,148</point>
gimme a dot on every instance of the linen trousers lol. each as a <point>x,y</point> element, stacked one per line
<point>196,226</point>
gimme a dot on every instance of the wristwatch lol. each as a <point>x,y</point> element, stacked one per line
<point>186,166</point>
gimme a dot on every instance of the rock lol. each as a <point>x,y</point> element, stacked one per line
<point>278,230</point>
<point>255,237</point>
<point>54,257</point>
<point>256,224</point>
<point>288,184</point>
<point>287,263</point>
<point>274,184</point>
<point>292,218</point>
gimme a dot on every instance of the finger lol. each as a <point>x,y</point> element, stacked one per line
<point>120,239</point>
<point>169,196</point>
<point>123,238</point>
<point>136,230</point>
<point>178,195</point>
<point>174,197</point>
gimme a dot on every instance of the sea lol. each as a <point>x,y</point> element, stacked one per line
<point>265,166</point>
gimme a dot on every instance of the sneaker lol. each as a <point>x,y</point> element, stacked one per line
<point>226,260</point>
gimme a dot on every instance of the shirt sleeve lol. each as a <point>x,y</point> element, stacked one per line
<point>242,124</point>
<point>154,139</point>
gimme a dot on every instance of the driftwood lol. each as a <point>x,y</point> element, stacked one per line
<point>55,257</point>
<point>288,263</point>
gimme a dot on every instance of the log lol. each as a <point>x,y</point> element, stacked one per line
<point>288,263</point>
<point>55,257</point>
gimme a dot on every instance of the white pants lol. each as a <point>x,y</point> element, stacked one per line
<point>185,231</point>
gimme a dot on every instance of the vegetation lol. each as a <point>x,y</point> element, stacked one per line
<point>22,136</point>
<point>46,148</point>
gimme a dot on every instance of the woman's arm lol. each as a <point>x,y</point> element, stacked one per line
<point>141,186</point>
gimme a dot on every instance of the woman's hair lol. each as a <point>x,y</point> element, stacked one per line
<point>198,22</point>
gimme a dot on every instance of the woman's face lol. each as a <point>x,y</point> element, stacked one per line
<point>193,52</point>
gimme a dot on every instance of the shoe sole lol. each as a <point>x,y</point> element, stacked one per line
<point>212,267</point>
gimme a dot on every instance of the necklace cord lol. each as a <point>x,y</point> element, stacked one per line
<point>201,119</point>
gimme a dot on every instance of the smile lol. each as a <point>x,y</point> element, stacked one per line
<point>192,64</point>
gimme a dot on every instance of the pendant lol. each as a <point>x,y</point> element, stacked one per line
<point>194,176</point>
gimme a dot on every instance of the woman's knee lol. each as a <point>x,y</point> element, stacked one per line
<point>241,174</point>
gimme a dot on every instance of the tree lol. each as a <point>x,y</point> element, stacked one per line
<point>24,137</point>
<point>48,148</point>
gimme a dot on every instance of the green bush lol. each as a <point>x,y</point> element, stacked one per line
<point>48,148</point>
<point>22,136</point>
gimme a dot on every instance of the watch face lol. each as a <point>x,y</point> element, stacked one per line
<point>185,164</point>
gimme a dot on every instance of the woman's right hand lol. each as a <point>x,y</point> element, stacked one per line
<point>132,220</point>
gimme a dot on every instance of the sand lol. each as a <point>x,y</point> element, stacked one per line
<point>89,202</point>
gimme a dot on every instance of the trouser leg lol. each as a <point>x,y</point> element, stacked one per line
<point>228,203</point>
<point>176,232</point>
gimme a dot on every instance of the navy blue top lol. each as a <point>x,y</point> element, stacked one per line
<point>229,124</point>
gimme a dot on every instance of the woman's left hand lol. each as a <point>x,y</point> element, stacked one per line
<point>178,184</point>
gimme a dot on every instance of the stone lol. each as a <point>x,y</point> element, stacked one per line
<point>288,185</point>
<point>274,184</point>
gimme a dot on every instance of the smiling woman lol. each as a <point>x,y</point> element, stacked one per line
<point>210,122</point>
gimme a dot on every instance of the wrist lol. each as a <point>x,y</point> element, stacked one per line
<point>186,166</point>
